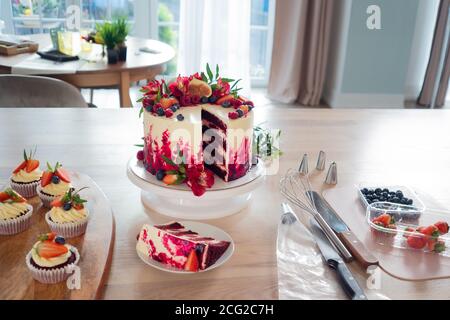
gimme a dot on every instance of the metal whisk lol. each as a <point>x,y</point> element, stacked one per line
<point>298,190</point>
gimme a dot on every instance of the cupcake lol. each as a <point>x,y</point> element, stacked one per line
<point>55,182</point>
<point>51,260</point>
<point>68,215</point>
<point>15,212</point>
<point>26,176</point>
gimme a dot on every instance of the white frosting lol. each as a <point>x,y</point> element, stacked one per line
<point>51,262</point>
<point>152,233</point>
<point>27,177</point>
<point>190,129</point>
<point>12,210</point>
<point>56,189</point>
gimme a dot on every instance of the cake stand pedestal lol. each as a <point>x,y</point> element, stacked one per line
<point>222,200</point>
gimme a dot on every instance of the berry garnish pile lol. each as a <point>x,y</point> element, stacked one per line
<point>196,176</point>
<point>416,237</point>
<point>51,246</point>
<point>385,195</point>
<point>54,175</point>
<point>162,99</point>
<point>29,164</point>
<point>71,199</point>
<point>10,196</point>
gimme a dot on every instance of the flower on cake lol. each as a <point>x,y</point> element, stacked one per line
<point>196,176</point>
<point>198,179</point>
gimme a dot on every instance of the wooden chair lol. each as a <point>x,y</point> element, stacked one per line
<point>18,91</point>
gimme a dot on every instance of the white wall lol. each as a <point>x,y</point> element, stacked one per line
<point>398,54</point>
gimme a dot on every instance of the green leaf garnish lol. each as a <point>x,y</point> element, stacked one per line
<point>169,161</point>
<point>210,74</point>
<point>204,77</point>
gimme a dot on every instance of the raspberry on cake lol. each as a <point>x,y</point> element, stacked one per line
<point>198,120</point>
<point>176,246</point>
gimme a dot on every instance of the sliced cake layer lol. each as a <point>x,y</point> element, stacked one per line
<point>173,244</point>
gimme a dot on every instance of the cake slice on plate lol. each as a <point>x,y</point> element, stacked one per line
<point>179,247</point>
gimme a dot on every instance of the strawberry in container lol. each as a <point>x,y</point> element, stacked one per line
<point>428,238</point>
<point>384,228</point>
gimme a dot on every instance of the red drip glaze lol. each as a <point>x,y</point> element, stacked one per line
<point>239,160</point>
<point>153,153</point>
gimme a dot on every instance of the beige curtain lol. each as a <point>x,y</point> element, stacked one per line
<point>435,74</point>
<point>300,50</point>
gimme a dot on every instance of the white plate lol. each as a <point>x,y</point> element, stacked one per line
<point>204,230</point>
<point>137,167</point>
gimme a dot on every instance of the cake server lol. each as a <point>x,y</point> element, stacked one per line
<point>348,238</point>
<point>335,262</point>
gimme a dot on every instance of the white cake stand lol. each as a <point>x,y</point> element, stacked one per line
<point>223,199</point>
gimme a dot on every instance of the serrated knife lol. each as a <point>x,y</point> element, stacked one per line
<point>348,238</point>
<point>335,262</point>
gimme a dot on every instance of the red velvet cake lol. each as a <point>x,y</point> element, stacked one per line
<point>197,122</point>
<point>176,246</point>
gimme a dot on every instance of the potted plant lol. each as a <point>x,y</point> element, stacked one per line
<point>122,29</point>
<point>109,35</point>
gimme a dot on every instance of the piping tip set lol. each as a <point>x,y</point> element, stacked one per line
<point>331,178</point>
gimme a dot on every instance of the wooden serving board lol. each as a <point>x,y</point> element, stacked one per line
<point>12,49</point>
<point>95,248</point>
<point>400,263</point>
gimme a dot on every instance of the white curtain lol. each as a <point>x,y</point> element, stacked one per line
<point>216,32</point>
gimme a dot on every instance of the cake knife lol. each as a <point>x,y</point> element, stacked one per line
<point>335,262</point>
<point>348,238</point>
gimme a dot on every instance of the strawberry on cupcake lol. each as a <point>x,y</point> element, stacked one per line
<point>15,212</point>
<point>68,215</point>
<point>51,258</point>
<point>55,182</point>
<point>26,177</point>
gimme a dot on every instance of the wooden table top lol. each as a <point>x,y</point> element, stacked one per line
<point>409,146</point>
<point>135,58</point>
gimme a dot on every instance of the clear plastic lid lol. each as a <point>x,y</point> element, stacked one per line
<point>426,233</point>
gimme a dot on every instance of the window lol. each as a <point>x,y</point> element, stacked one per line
<point>262,15</point>
<point>39,16</point>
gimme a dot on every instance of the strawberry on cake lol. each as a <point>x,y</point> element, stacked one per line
<point>27,175</point>
<point>176,246</point>
<point>198,120</point>
<point>55,182</point>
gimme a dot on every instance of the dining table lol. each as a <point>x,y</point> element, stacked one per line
<point>146,58</point>
<point>407,146</point>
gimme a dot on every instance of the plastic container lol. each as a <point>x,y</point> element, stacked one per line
<point>405,234</point>
<point>404,211</point>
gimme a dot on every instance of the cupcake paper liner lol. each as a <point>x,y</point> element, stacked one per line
<point>69,229</point>
<point>17,225</point>
<point>46,199</point>
<point>51,275</point>
<point>27,190</point>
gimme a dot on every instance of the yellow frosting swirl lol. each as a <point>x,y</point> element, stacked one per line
<point>51,262</point>
<point>26,177</point>
<point>56,189</point>
<point>59,215</point>
<point>12,210</point>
